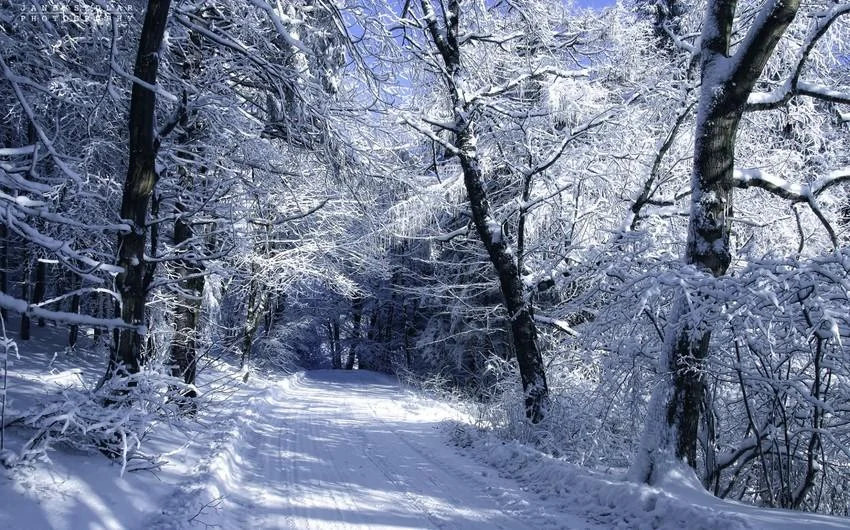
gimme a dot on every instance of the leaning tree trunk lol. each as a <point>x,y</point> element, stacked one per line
<point>671,432</point>
<point>520,312</point>
<point>142,176</point>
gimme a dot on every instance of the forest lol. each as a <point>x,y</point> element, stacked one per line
<point>621,233</point>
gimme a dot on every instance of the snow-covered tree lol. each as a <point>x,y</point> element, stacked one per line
<point>732,53</point>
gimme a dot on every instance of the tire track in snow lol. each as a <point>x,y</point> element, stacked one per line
<point>352,451</point>
<point>514,507</point>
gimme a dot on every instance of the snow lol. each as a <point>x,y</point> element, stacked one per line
<point>678,502</point>
<point>17,151</point>
<point>495,230</point>
<point>333,449</point>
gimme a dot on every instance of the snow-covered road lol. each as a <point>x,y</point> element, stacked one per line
<point>341,450</point>
<point>352,450</point>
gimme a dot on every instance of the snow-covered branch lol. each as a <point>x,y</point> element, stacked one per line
<point>158,90</point>
<point>538,73</point>
<point>557,323</point>
<point>21,307</point>
<point>432,136</point>
<point>808,193</point>
<point>794,86</point>
<point>276,18</point>
<point>39,131</point>
<point>748,178</point>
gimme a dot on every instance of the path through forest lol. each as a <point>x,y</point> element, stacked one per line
<point>352,450</point>
<point>349,450</point>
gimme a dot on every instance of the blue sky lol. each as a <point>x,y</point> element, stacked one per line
<point>595,3</point>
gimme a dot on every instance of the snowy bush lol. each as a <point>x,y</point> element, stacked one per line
<point>776,382</point>
<point>113,418</point>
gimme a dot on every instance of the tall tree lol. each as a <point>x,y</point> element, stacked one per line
<point>729,74</point>
<point>142,175</point>
<point>444,33</point>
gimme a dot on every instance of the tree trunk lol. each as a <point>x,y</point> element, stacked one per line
<point>671,432</point>
<point>183,354</point>
<point>520,312</point>
<point>356,316</point>
<point>74,329</point>
<point>40,285</point>
<point>257,306</point>
<point>24,332</point>
<point>101,310</point>
<point>142,176</point>
<point>372,360</point>
<point>333,336</point>
<point>682,393</point>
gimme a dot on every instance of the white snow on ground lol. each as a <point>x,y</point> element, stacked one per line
<point>352,450</point>
<point>334,450</point>
<point>617,504</point>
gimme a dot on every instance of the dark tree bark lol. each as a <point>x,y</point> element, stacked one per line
<point>356,317</point>
<point>333,336</point>
<point>74,329</point>
<point>183,354</point>
<point>40,287</point>
<point>520,311</point>
<point>727,82</point>
<point>142,176</point>
<point>257,305</point>
<point>24,330</point>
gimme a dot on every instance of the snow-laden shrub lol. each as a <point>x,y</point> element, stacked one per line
<point>274,352</point>
<point>112,418</point>
<point>778,385</point>
<point>775,421</point>
<point>438,385</point>
<point>582,425</point>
